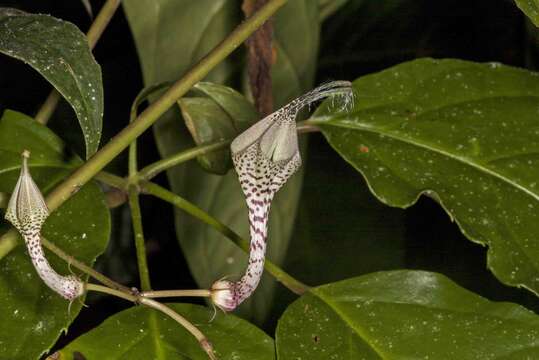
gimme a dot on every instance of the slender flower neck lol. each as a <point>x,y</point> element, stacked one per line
<point>265,156</point>
<point>27,212</point>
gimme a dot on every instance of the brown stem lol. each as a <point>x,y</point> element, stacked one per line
<point>260,57</point>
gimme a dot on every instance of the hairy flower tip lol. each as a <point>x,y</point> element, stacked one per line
<point>223,296</point>
<point>341,93</point>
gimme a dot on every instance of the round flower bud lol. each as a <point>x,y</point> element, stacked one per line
<point>222,295</point>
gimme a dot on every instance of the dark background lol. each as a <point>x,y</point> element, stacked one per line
<point>364,37</point>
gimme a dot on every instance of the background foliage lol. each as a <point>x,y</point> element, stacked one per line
<point>328,223</point>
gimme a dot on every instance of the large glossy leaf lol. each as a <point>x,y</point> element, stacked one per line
<point>32,315</point>
<point>220,113</point>
<point>142,333</point>
<point>530,8</point>
<point>58,51</point>
<point>165,54</point>
<point>463,133</point>
<point>404,315</point>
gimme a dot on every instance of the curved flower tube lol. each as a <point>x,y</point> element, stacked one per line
<point>27,212</point>
<point>265,156</point>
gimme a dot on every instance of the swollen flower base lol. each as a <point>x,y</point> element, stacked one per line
<point>27,212</point>
<point>265,156</point>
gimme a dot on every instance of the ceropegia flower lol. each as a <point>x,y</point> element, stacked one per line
<point>265,156</point>
<point>27,212</point>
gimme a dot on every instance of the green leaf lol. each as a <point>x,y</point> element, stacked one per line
<point>33,315</point>
<point>60,53</point>
<point>236,106</point>
<point>463,133</point>
<point>166,53</point>
<point>143,333</point>
<point>404,315</point>
<point>530,8</point>
<point>222,114</point>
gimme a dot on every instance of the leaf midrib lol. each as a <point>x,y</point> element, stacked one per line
<point>154,328</point>
<point>430,147</point>
<point>359,331</point>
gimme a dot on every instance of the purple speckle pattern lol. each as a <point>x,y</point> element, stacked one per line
<point>260,179</point>
<point>265,156</point>
<point>27,212</point>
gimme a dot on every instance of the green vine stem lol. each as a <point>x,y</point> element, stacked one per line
<point>46,110</point>
<point>138,299</point>
<point>138,233</point>
<point>132,159</point>
<point>101,21</point>
<point>176,293</point>
<point>94,33</point>
<point>155,168</point>
<point>112,180</point>
<point>280,275</point>
<point>126,295</point>
<point>134,205</point>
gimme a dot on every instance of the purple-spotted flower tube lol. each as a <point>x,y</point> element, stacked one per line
<point>27,212</point>
<point>265,156</point>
